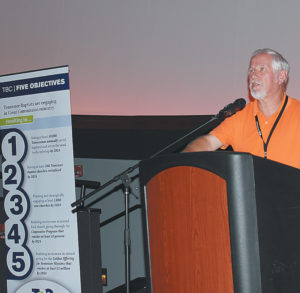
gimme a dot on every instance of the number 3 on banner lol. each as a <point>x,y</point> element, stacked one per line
<point>16,203</point>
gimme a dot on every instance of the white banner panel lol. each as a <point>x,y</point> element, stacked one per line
<point>38,181</point>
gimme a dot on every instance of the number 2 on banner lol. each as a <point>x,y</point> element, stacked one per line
<point>16,204</point>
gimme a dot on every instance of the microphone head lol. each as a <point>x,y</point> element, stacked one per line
<point>232,108</point>
<point>240,103</point>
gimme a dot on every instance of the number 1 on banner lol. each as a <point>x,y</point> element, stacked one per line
<point>16,204</point>
<point>12,141</point>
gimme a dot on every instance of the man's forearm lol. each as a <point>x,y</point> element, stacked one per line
<point>206,142</point>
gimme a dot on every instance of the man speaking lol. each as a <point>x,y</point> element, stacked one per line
<point>269,126</point>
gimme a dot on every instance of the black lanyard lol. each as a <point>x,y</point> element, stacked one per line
<point>273,128</point>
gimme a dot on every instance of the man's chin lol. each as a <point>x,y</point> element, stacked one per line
<point>258,95</point>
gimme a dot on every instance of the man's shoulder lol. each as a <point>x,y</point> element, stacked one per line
<point>293,106</point>
<point>297,101</point>
<point>294,102</point>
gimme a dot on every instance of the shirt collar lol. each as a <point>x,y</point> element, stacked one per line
<point>256,110</point>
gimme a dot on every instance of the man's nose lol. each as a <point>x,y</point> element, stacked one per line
<point>254,73</point>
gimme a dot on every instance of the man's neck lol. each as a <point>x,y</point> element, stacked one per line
<point>270,104</point>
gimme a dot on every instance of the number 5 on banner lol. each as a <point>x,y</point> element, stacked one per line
<point>16,204</point>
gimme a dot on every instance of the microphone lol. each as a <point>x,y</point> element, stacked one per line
<point>232,108</point>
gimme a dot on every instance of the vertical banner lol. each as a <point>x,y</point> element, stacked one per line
<point>38,182</point>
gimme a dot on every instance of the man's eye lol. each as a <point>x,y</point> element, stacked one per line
<point>262,68</point>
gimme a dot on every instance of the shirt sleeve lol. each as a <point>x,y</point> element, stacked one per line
<point>225,131</point>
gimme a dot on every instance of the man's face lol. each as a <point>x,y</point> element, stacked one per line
<point>261,78</point>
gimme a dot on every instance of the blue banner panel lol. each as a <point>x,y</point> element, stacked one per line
<point>37,85</point>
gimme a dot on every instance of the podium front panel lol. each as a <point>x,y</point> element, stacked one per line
<point>189,214</point>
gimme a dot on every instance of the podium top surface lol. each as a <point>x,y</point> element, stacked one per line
<point>223,163</point>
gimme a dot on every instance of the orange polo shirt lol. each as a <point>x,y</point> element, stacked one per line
<point>241,133</point>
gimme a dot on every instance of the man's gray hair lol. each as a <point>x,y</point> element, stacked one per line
<point>278,62</point>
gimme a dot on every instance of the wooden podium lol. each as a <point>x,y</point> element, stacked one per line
<point>221,222</point>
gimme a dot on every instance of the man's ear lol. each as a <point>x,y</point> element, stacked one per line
<point>282,76</point>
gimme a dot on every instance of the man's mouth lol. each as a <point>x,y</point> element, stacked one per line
<point>254,84</point>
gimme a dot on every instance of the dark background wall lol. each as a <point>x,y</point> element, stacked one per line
<point>132,137</point>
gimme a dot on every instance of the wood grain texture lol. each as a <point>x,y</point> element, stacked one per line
<point>189,232</point>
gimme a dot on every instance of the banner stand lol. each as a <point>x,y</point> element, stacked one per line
<point>42,241</point>
<point>90,249</point>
